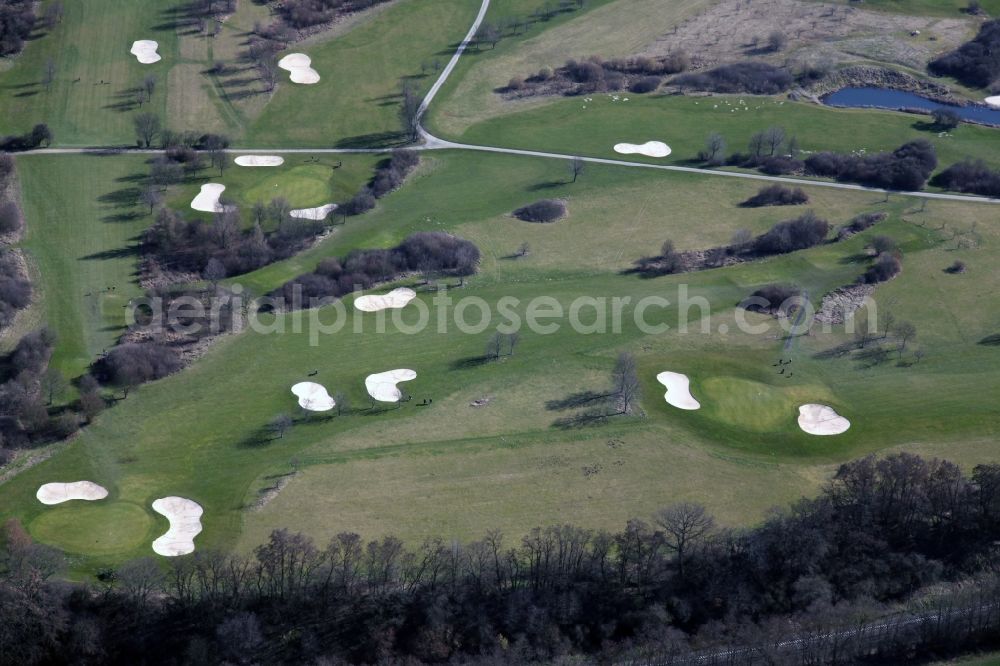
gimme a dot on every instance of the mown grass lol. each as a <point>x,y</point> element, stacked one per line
<point>449,468</point>
<point>593,125</point>
<point>364,64</point>
<point>82,235</point>
<point>89,46</point>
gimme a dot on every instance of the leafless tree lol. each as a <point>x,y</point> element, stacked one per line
<point>408,110</point>
<point>715,148</point>
<point>905,331</point>
<point>626,386</point>
<point>147,127</point>
<point>777,41</point>
<point>280,424</point>
<point>149,85</point>
<point>150,196</point>
<point>49,75</point>
<point>684,525</point>
<point>214,272</point>
<point>576,167</point>
<point>53,383</point>
<point>774,138</point>
<point>493,346</point>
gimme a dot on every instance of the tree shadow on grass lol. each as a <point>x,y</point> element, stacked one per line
<point>374,140</point>
<point>470,362</point>
<point>991,340</point>
<point>125,197</point>
<point>116,253</point>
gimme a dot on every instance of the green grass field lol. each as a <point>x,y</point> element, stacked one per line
<point>364,63</point>
<point>593,125</point>
<point>415,470</point>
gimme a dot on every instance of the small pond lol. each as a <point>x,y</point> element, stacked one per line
<point>884,98</point>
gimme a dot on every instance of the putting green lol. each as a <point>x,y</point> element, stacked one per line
<point>94,529</point>
<point>302,185</point>
<point>754,405</point>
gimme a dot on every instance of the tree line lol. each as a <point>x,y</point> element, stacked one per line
<point>883,531</point>
<point>430,253</point>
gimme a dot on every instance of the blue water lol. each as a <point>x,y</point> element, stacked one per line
<point>883,98</point>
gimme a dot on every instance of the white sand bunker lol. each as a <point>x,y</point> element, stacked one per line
<point>185,524</point>
<point>821,420</point>
<point>318,213</point>
<point>207,200</point>
<point>396,299</point>
<point>993,101</point>
<point>382,386</point>
<point>144,51</point>
<point>649,149</point>
<point>57,493</point>
<point>259,160</point>
<point>299,70</point>
<point>313,397</point>
<point>678,390</point>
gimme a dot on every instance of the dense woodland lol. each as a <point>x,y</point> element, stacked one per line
<point>883,531</point>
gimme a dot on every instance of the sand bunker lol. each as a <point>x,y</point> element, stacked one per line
<point>318,213</point>
<point>821,420</point>
<point>649,149</point>
<point>144,51</point>
<point>382,386</point>
<point>57,493</point>
<point>993,101</point>
<point>207,200</point>
<point>185,524</point>
<point>678,390</point>
<point>298,68</point>
<point>396,298</point>
<point>259,160</point>
<point>313,397</point>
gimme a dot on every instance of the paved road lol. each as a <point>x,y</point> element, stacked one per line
<point>431,142</point>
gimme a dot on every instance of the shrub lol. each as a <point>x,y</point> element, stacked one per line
<point>972,176</point>
<point>906,168</point>
<point>10,217</point>
<point>803,232</point>
<point>885,268</point>
<point>546,210</point>
<point>15,291</point>
<point>772,298</point>
<point>975,63</point>
<point>861,222</point>
<point>779,165</point>
<point>424,252</point>
<point>776,195</point>
<point>132,364</point>
<point>946,118</point>
<point>646,84</point>
<point>956,268</point>
<point>756,78</point>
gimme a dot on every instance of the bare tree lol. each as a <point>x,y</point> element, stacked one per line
<point>151,197</point>
<point>147,127</point>
<point>774,138</point>
<point>524,250</point>
<point>149,85</point>
<point>53,383</point>
<point>408,111</point>
<point>512,340</point>
<point>342,402</point>
<point>489,33</point>
<point>140,95</point>
<point>576,167</point>
<point>219,159</point>
<point>715,148</point>
<point>49,75</point>
<point>626,386</point>
<point>905,331</point>
<point>53,14</point>
<point>214,272</point>
<point>280,424</point>
<point>684,525</point>
<point>493,346</point>
<point>777,41</point>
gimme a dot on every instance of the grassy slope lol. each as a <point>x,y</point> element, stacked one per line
<point>600,27</point>
<point>578,126</point>
<point>363,65</point>
<point>82,230</point>
<point>91,44</point>
<point>357,101</point>
<point>185,436</point>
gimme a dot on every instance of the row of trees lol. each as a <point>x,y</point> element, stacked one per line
<point>39,136</point>
<point>640,74</point>
<point>882,531</point>
<point>431,253</point>
<point>301,14</point>
<point>15,289</point>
